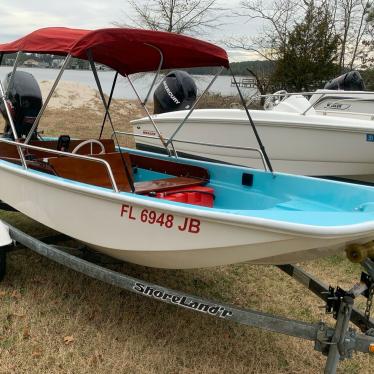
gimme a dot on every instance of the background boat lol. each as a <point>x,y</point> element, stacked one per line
<point>308,144</point>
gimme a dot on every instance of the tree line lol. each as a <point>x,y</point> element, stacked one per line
<point>303,42</point>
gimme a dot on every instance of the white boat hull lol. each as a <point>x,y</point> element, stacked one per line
<point>309,145</point>
<point>112,223</point>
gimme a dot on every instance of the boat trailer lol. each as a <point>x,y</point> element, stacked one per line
<point>337,343</point>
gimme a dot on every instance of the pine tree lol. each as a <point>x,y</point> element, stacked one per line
<point>310,55</point>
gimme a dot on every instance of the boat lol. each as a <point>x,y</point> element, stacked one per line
<point>325,138</point>
<point>347,104</point>
<point>159,210</point>
<point>310,144</point>
<point>344,96</point>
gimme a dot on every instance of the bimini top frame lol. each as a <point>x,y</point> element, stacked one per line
<point>124,50</point>
<point>111,47</point>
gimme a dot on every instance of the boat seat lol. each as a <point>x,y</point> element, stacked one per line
<point>86,171</point>
<point>185,175</point>
<point>169,167</point>
<point>166,184</point>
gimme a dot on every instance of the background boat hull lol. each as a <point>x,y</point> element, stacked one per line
<point>306,148</point>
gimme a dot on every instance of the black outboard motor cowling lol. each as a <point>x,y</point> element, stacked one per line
<point>351,81</point>
<point>177,91</point>
<point>24,101</point>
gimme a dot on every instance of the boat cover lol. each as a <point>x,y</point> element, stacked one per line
<point>125,50</point>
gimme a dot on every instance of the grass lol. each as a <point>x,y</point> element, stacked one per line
<point>54,320</point>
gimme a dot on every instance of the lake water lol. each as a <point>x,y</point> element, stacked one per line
<point>123,90</point>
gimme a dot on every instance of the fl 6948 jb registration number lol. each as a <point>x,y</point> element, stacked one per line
<point>151,217</point>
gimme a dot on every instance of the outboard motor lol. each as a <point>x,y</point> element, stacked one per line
<point>177,91</point>
<point>351,81</point>
<point>24,101</point>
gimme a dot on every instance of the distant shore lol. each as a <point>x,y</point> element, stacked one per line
<point>123,90</point>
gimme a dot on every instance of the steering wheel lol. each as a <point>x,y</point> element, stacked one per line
<point>90,141</point>
<point>274,99</point>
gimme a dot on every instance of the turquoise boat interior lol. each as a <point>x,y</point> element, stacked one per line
<point>284,197</point>
<point>235,190</point>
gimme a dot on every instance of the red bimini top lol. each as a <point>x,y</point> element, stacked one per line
<point>125,50</point>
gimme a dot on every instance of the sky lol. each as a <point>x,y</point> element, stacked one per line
<point>19,17</point>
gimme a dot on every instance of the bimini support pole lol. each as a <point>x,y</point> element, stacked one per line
<point>157,73</point>
<point>10,118</point>
<point>252,124</point>
<point>10,84</point>
<point>41,111</point>
<point>97,80</point>
<point>109,102</point>
<point>194,106</point>
<point>143,103</point>
<point>163,141</point>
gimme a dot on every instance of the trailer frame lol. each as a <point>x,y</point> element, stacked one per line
<point>337,343</point>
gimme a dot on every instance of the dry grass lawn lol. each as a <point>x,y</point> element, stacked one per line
<point>53,320</point>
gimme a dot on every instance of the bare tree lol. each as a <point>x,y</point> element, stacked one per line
<point>179,16</point>
<point>362,31</point>
<point>278,17</point>
<point>351,24</point>
<point>367,51</point>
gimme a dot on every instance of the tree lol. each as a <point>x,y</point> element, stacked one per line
<point>277,16</point>
<point>367,52</point>
<point>179,16</point>
<point>309,57</point>
<point>350,22</point>
<point>297,36</point>
<point>348,19</point>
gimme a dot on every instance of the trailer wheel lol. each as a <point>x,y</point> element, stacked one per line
<point>2,263</point>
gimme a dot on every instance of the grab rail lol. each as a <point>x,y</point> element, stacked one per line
<point>199,143</point>
<point>74,155</point>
